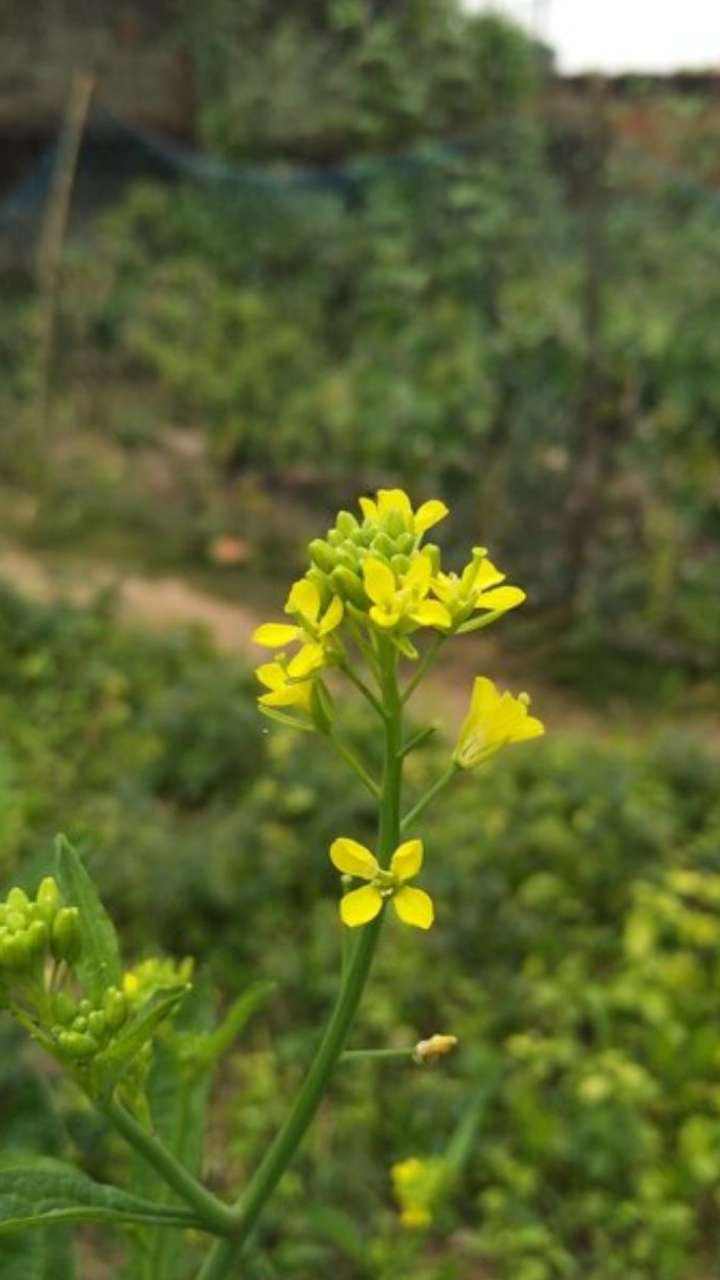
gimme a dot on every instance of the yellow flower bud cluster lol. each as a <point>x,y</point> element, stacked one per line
<point>33,930</point>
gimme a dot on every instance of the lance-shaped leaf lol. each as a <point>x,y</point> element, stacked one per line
<point>38,1191</point>
<point>99,965</point>
<point>109,1066</point>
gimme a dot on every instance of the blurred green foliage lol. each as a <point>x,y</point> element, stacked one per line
<point>575,955</point>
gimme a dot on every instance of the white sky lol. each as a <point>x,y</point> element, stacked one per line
<point>622,35</point>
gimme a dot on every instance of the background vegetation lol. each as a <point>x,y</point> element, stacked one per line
<point>427,263</point>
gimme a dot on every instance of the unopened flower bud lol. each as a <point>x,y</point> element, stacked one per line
<point>48,899</point>
<point>322,555</point>
<point>394,523</point>
<point>383,546</point>
<point>77,1044</point>
<point>435,1047</point>
<point>64,1008</point>
<point>348,586</point>
<point>400,563</point>
<point>38,936</point>
<point>346,523</point>
<point>115,1008</point>
<point>66,935</point>
<point>15,921</point>
<point>335,537</point>
<point>80,1023</point>
<point>97,1024</point>
<point>433,553</point>
<point>17,900</point>
<point>15,952</point>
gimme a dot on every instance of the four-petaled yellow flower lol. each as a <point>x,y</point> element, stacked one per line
<point>402,598</point>
<point>284,690</point>
<point>494,721</point>
<point>314,628</point>
<point>417,522</point>
<point>413,906</point>
<point>477,587</point>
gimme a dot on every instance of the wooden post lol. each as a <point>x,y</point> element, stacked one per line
<point>52,235</point>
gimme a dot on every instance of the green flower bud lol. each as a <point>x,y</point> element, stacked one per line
<point>400,564</point>
<point>85,1007</point>
<point>64,1008</point>
<point>322,555</point>
<point>48,899</point>
<point>66,941</point>
<point>383,546</point>
<point>115,1007</point>
<point>15,921</point>
<point>335,537</point>
<point>394,523</point>
<point>78,1044</point>
<point>348,585</point>
<point>17,900</point>
<point>15,952</point>
<point>348,561</point>
<point>80,1023</point>
<point>38,936</point>
<point>346,523</point>
<point>432,550</point>
<point>405,543</point>
<point>369,531</point>
<point>97,1024</point>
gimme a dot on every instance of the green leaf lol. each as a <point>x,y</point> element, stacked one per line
<point>99,965</point>
<point>108,1067</point>
<point>38,1191</point>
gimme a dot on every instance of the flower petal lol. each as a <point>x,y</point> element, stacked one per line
<point>273,635</point>
<point>485,698</point>
<point>332,616</point>
<point>501,598</point>
<point>379,580</point>
<point>407,859</point>
<point>304,599</point>
<point>431,613</point>
<point>384,617</point>
<point>530,727</point>
<point>352,858</point>
<point>428,514</point>
<point>310,658</point>
<point>419,574</point>
<point>360,906</point>
<point>271,674</point>
<point>288,695</point>
<point>414,906</point>
<point>394,500</point>
<point>369,508</point>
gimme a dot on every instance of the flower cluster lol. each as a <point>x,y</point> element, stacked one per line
<point>372,575</point>
<point>419,1186</point>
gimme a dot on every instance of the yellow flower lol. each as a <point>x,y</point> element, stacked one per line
<point>417,522</point>
<point>413,906</point>
<point>476,588</point>
<point>402,598</point>
<point>313,628</point>
<point>494,721</point>
<point>284,688</point>
<point>418,1185</point>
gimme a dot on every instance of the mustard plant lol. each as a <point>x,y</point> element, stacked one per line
<point>372,612</point>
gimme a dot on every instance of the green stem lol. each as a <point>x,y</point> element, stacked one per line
<point>350,758</point>
<point>281,1151</point>
<point>217,1217</point>
<point>425,800</point>
<point>363,689</point>
<point>352,1055</point>
<point>426,662</point>
<point>418,738</point>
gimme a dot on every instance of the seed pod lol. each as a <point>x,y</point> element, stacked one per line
<point>346,523</point>
<point>38,936</point>
<point>115,1007</point>
<point>64,1008</point>
<point>48,899</point>
<point>18,900</point>
<point>348,585</point>
<point>322,555</point>
<point>66,935</point>
<point>400,564</point>
<point>78,1044</point>
<point>97,1024</point>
